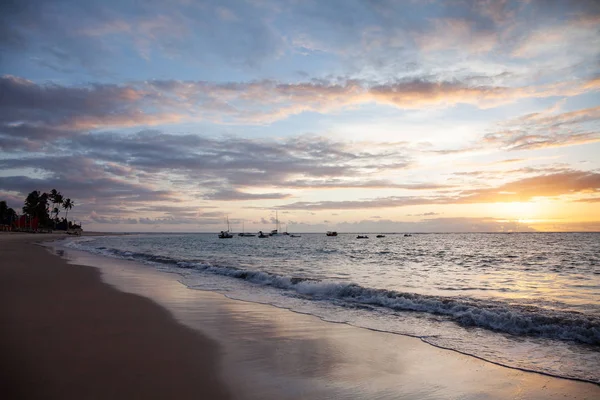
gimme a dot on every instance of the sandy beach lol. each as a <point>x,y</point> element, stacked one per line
<point>123,330</point>
<point>65,334</point>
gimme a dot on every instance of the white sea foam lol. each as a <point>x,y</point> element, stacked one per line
<point>494,315</point>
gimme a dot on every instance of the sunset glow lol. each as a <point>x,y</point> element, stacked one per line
<point>352,115</point>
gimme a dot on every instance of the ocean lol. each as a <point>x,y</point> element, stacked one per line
<point>524,300</point>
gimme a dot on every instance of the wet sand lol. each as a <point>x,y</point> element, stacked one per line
<point>264,352</point>
<point>67,335</point>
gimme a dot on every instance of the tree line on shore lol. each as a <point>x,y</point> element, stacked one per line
<point>42,207</point>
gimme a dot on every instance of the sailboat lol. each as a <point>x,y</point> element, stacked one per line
<point>226,234</point>
<point>275,232</point>
<point>244,234</point>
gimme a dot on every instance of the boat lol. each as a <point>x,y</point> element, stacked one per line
<point>380,236</point>
<point>407,235</point>
<point>331,233</point>
<point>294,235</point>
<point>275,232</point>
<point>243,232</point>
<point>226,234</point>
<point>362,237</point>
<point>262,235</point>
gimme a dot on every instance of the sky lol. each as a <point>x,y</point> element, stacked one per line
<point>348,115</point>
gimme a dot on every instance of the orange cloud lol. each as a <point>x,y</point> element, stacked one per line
<point>562,183</point>
<point>551,185</point>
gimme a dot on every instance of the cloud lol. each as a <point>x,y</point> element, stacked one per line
<point>95,217</point>
<point>239,163</point>
<point>94,186</point>
<point>490,175</point>
<point>114,174</point>
<point>568,182</point>
<point>383,202</point>
<point>50,111</point>
<point>508,161</point>
<point>13,201</point>
<point>456,34</point>
<point>111,66</point>
<point>366,184</point>
<point>42,112</point>
<point>357,37</point>
<point>576,226</point>
<point>571,39</point>
<point>589,200</point>
<point>101,188</point>
<point>544,129</point>
<point>427,214</point>
<point>236,195</point>
<point>523,190</point>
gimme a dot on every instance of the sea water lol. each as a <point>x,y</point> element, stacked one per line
<point>524,300</point>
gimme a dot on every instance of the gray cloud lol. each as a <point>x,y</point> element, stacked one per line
<point>368,184</point>
<point>223,163</point>
<point>45,112</point>
<point>106,170</point>
<point>236,195</point>
<point>102,188</point>
<point>427,214</point>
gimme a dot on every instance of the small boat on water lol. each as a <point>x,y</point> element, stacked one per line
<point>294,235</point>
<point>407,235</point>
<point>362,237</point>
<point>331,233</point>
<point>380,236</point>
<point>243,232</point>
<point>262,235</point>
<point>226,234</point>
<point>275,232</point>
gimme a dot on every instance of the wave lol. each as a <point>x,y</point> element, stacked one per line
<point>499,316</point>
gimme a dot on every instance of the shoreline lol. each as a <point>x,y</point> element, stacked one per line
<point>69,335</point>
<point>270,352</point>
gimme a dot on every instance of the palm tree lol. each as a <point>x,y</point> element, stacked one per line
<point>52,196</point>
<point>36,206</point>
<point>31,203</point>
<point>7,214</point>
<point>59,201</point>
<point>57,198</point>
<point>67,205</point>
